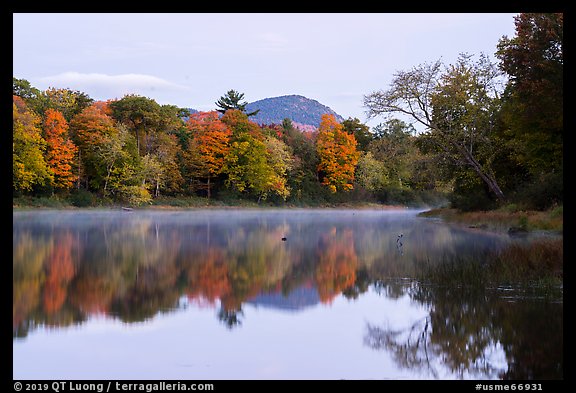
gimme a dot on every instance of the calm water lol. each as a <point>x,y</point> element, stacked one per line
<point>218,294</point>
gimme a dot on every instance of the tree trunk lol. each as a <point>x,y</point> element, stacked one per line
<point>79,170</point>
<point>487,178</point>
<point>107,178</point>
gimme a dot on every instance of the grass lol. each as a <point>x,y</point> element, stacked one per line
<point>183,202</point>
<point>504,218</point>
<point>40,202</point>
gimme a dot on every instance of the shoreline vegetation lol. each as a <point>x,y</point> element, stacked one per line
<point>175,203</point>
<point>508,218</point>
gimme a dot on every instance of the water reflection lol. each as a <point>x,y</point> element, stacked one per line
<point>69,266</point>
<point>468,330</point>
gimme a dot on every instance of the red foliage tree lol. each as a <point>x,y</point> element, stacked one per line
<point>209,147</point>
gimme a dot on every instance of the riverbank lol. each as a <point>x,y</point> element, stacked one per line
<point>506,219</point>
<point>172,203</point>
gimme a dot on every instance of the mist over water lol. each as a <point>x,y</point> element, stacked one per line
<point>264,294</point>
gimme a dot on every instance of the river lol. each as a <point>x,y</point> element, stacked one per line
<point>266,294</point>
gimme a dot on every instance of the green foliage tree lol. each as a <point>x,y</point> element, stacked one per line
<point>232,101</point>
<point>249,164</point>
<point>533,108</point>
<point>303,176</point>
<point>394,147</point>
<point>167,151</point>
<point>360,131</point>
<point>247,168</point>
<point>125,172</point>
<point>456,106</point>
<point>153,174</point>
<point>32,96</point>
<point>371,173</point>
<point>141,115</point>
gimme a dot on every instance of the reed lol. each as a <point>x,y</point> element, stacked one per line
<point>537,265</point>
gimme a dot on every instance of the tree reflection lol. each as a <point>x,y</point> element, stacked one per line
<point>410,346</point>
<point>230,318</point>
<point>209,279</point>
<point>59,271</point>
<point>465,331</point>
<point>337,263</point>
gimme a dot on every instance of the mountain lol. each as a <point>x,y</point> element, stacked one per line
<point>299,109</point>
<point>298,299</point>
<point>305,113</point>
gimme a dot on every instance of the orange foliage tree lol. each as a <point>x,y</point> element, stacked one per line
<point>209,147</point>
<point>337,264</point>
<point>59,272</point>
<point>338,154</point>
<point>91,125</point>
<point>89,130</point>
<point>60,150</point>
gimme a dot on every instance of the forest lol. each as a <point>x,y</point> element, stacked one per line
<point>493,136</point>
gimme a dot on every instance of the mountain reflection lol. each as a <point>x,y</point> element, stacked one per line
<point>70,266</point>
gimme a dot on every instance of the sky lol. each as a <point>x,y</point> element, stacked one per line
<point>192,59</point>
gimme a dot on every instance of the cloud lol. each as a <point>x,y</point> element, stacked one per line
<point>103,86</point>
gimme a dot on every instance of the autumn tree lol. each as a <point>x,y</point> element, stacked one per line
<point>239,124</point>
<point>232,101</point>
<point>66,101</point>
<point>89,130</point>
<point>209,146</point>
<point>60,150</point>
<point>456,105</point>
<point>281,161</point>
<point>338,155</point>
<point>29,168</point>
